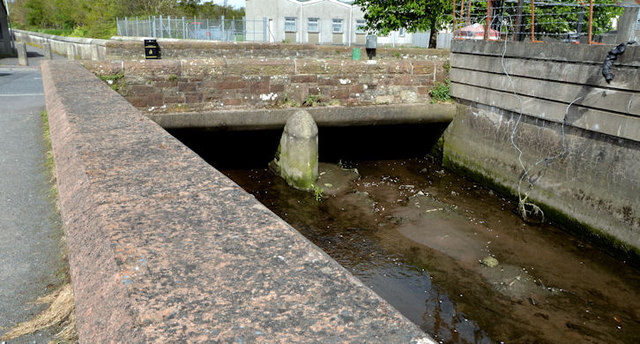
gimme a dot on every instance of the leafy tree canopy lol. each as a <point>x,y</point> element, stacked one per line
<point>384,16</point>
<point>96,18</point>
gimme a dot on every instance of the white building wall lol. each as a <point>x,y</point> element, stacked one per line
<point>324,10</point>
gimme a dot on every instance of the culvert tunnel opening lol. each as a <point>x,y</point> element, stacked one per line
<point>229,149</point>
<point>422,238</point>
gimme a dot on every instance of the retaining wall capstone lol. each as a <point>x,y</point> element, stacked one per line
<point>130,48</point>
<point>163,248</point>
<point>209,84</point>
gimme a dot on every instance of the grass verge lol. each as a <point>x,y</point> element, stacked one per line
<point>60,313</point>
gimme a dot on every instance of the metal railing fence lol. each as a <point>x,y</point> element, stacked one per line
<point>221,29</point>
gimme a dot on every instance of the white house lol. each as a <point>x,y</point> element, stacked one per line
<point>317,22</point>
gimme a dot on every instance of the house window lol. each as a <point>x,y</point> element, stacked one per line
<point>313,26</point>
<point>337,26</point>
<point>290,24</point>
<point>401,32</point>
<point>360,26</point>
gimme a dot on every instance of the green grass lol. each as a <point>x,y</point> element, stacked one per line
<point>57,32</point>
<point>49,163</point>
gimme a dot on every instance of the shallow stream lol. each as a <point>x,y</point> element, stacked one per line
<point>453,257</point>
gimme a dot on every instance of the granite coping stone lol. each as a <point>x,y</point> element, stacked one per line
<point>164,248</point>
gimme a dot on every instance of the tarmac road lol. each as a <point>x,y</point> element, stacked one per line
<point>31,262</point>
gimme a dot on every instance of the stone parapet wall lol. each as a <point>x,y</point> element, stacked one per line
<point>213,84</point>
<point>547,108</point>
<point>131,48</point>
<point>163,248</point>
<point>72,47</point>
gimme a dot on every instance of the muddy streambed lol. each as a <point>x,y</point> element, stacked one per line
<point>417,235</point>
<point>421,238</point>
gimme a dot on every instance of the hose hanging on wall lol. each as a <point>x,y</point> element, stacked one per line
<point>612,56</point>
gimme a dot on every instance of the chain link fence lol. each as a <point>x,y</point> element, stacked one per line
<point>571,21</point>
<point>221,29</point>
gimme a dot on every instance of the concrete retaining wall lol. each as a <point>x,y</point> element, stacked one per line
<point>78,48</point>
<point>163,248</point>
<point>594,181</point>
<point>206,84</point>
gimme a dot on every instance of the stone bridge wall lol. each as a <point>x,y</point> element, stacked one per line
<point>586,173</point>
<point>72,47</point>
<point>163,248</point>
<point>243,83</point>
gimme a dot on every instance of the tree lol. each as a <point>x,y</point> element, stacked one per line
<point>385,16</point>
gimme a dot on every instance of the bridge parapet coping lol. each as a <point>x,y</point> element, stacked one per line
<point>164,248</point>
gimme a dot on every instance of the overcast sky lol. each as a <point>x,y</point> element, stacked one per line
<point>232,3</point>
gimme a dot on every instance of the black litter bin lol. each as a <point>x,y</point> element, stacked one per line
<point>151,49</point>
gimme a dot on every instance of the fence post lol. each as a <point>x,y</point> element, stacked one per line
<point>590,21</point>
<point>488,25</point>
<point>454,18</point>
<point>223,38</point>
<point>462,13</point>
<point>518,26</point>
<point>155,29</point>
<point>265,26</point>
<point>244,29</point>
<point>126,27</point>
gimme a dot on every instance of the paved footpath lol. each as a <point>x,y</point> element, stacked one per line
<point>31,263</point>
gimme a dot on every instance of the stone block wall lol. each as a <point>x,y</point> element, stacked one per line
<point>214,84</point>
<point>130,48</point>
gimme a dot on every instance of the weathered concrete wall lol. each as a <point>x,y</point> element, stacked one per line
<point>130,48</point>
<point>78,48</point>
<point>199,85</point>
<point>163,248</point>
<point>595,184</point>
<point>334,116</point>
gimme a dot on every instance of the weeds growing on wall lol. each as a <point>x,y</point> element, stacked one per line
<point>440,92</point>
<point>116,81</point>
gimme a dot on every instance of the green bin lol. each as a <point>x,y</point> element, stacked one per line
<point>356,54</point>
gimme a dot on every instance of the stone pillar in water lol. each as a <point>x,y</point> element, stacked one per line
<point>297,157</point>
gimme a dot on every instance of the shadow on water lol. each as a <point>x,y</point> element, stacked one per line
<point>416,234</point>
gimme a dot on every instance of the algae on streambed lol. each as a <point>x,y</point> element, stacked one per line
<point>417,234</point>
